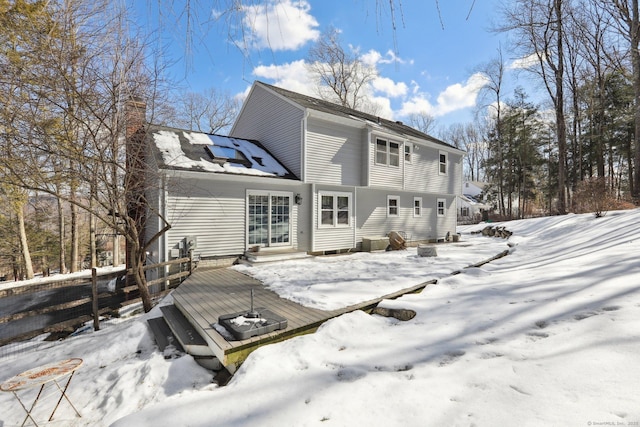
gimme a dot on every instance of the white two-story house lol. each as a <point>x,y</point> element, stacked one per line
<point>303,174</point>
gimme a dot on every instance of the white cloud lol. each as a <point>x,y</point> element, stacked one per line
<point>381,107</point>
<point>418,104</point>
<point>415,87</point>
<point>389,87</point>
<point>292,76</point>
<point>524,63</point>
<point>373,58</point>
<point>454,97</point>
<point>281,24</point>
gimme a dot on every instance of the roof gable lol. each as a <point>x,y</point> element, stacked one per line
<point>312,103</point>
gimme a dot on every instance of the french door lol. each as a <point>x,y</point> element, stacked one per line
<point>268,218</point>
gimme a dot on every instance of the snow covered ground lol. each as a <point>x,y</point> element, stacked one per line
<point>549,335</point>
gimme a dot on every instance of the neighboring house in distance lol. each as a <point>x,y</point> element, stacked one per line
<point>470,211</point>
<point>475,189</point>
<point>301,174</point>
<point>472,203</point>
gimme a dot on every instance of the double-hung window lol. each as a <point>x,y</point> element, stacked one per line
<point>387,152</point>
<point>393,206</point>
<point>408,152</point>
<point>441,207</point>
<point>443,163</point>
<point>334,209</point>
<point>417,207</point>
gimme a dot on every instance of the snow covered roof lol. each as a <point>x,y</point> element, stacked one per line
<point>179,149</point>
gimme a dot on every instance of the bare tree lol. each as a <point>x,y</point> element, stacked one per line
<point>210,111</point>
<point>424,122</point>
<point>341,75</point>
<point>74,134</point>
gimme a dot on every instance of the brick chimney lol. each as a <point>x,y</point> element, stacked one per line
<point>135,115</point>
<point>136,168</point>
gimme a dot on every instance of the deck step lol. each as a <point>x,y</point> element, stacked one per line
<point>162,334</point>
<point>265,256</point>
<point>186,334</point>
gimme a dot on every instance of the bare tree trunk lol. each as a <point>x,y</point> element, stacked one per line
<point>635,61</point>
<point>75,238</point>
<point>62,236</point>
<point>24,244</point>
<point>92,229</point>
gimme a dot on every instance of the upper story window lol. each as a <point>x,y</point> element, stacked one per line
<point>443,166</point>
<point>334,209</point>
<point>387,152</point>
<point>408,152</point>
<point>393,205</point>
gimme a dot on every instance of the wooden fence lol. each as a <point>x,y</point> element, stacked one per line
<point>130,293</point>
<point>66,303</point>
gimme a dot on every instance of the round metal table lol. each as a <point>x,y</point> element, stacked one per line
<point>41,376</point>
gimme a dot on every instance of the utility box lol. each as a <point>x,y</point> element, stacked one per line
<point>370,244</point>
<point>190,243</point>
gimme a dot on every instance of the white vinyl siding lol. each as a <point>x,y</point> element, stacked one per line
<point>215,212</point>
<point>423,175</point>
<point>276,124</point>
<point>334,153</point>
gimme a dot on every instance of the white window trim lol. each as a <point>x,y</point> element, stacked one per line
<point>335,195</point>
<point>410,147</point>
<point>397,199</point>
<point>444,207</point>
<point>375,150</point>
<point>387,161</point>
<point>419,200</point>
<point>269,194</point>
<point>446,163</point>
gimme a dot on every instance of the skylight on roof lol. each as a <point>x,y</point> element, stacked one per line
<point>223,152</point>
<point>231,154</point>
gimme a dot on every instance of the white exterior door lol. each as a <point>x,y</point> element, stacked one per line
<point>268,218</point>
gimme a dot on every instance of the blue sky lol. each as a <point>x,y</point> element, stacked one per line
<point>429,65</point>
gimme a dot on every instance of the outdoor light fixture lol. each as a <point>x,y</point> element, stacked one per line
<point>298,199</point>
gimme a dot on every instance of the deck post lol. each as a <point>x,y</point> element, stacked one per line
<point>94,297</point>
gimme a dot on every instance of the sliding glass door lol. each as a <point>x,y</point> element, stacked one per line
<point>268,219</point>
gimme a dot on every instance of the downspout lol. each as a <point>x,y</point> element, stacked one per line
<point>303,149</point>
<point>162,210</point>
<point>367,181</point>
<point>404,163</point>
<point>355,216</point>
<point>313,219</point>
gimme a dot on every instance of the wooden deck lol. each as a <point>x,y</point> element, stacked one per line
<point>210,293</point>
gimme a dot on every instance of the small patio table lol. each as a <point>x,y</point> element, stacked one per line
<point>41,376</point>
